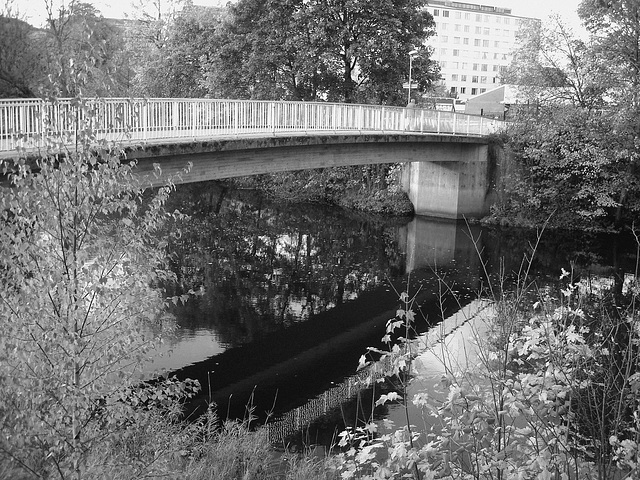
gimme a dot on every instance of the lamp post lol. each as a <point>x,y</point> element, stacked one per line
<point>412,53</point>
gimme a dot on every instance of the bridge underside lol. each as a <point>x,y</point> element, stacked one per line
<point>445,176</point>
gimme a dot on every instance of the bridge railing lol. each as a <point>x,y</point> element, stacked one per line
<point>36,123</point>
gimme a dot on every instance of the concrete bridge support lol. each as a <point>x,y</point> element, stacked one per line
<point>448,188</point>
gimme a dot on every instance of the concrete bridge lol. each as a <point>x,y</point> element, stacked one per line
<point>448,172</point>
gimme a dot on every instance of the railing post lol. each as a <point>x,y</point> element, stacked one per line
<point>438,122</point>
<point>361,119</point>
<point>145,120</point>
<point>194,118</point>
<point>334,119</point>
<point>469,123</point>
<point>236,114</point>
<point>422,121</point>
<point>174,115</point>
<point>481,132</point>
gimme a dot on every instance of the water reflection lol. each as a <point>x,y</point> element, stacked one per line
<point>295,294</point>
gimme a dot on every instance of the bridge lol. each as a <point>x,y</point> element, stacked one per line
<point>449,172</point>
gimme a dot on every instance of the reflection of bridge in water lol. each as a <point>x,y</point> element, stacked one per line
<point>308,369</point>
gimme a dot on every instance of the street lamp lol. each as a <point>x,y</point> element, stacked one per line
<point>412,53</point>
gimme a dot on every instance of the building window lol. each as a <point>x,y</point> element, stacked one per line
<point>483,67</point>
<point>474,91</point>
<point>478,17</point>
<point>444,38</point>
<point>465,41</point>
<point>463,78</point>
<point>455,65</point>
<point>483,79</point>
<point>495,68</point>
<point>496,44</point>
<point>497,32</point>
<point>443,63</point>
<point>507,21</point>
<point>445,26</point>
<point>476,42</point>
<point>466,28</point>
<point>454,77</point>
<point>474,79</point>
<point>453,90</point>
<point>475,67</point>
<point>478,30</point>
<point>457,27</point>
<point>436,13</point>
<point>443,51</point>
<point>457,14</point>
<point>506,33</point>
<point>456,40</point>
<point>495,79</point>
<point>467,16</point>
<point>485,43</point>
<point>486,31</point>
<point>465,66</point>
<point>498,19</point>
<point>445,13</point>
<point>463,89</point>
<point>482,90</point>
<point>456,52</point>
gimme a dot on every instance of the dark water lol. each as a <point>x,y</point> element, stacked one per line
<point>294,295</point>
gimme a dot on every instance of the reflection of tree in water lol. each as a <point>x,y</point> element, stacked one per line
<point>265,266</point>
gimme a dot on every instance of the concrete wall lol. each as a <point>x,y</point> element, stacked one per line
<point>454,190</point>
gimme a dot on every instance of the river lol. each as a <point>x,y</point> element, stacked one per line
<point>294,295</point>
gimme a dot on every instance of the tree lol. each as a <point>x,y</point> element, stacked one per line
<point>366,39</point>
<point>21,66</point>
<point>340,50</point>
<point>553,66</point>
<point>175,70</point>
<point>82,51</point>
<point>79,267</point>
<point>615,29</point>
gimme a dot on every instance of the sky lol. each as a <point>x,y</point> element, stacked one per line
<point>35,9</point>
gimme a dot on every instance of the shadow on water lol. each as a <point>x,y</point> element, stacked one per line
<point>294,295</point>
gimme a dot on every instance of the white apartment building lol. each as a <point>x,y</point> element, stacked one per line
<point>472,44</point>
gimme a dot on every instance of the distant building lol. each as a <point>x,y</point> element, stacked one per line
<point>473,44</point>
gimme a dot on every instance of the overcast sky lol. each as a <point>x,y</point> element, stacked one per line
<point>35,9</point>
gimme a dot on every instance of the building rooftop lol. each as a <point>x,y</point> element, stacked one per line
<point>470,6</point>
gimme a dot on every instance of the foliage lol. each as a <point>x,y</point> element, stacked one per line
<point>80,261</point>
<point>574,164</point>
<point>340,50</point>
<point>615,29</point>
<point>548,392</point>
<point>372,188</point>
<point>20,60</point>
<point>552,65</point>
<point>170,63</point>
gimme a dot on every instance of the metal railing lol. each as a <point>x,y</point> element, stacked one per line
<point>33,123</point>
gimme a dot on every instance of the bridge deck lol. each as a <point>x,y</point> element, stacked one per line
<point>39,124</point>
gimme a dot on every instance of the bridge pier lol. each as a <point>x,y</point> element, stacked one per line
<point>457,184</point>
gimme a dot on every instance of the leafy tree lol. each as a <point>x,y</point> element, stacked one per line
<point>175,70</point>
<point>20,60</point>
<point>554,66</point>
<point>82,51</point>
<point>147,35</point>
<point>78,264</point>
<point>335,50</point>
<point>366,39</point>
<point>615,29</point>
<point>574,165</point>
